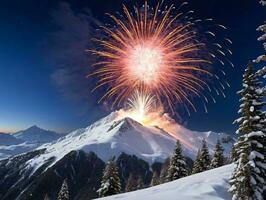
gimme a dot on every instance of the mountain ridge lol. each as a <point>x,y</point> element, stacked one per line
<point>25,140</point>
<point>111,136</point>
<point>36,134</point>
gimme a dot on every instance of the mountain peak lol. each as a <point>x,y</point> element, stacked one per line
<point>34,127</point>
<point>124,124</point>
<point>132,121</point>
<point>128,123</point>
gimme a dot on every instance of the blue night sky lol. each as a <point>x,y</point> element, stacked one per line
<point>43,61</point>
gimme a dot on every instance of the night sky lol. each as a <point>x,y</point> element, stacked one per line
<point>43,62</point>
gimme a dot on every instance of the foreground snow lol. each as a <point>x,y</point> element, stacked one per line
<point>212,184</point>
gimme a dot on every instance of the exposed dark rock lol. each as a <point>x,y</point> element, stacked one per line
<point>83,172</point>
<point>15,174</point>
<point>130,164</point>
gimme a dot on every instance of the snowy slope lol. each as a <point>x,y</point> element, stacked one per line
<point>11,150</point>
<point>111,136</point>
<point>209,185</point>
<point>10,145</point>
<point>192,140</point>
<point>108,137</point>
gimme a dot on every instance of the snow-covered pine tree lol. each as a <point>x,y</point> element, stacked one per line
<point>197,164</point>
<point>63,193</point>
<point>203,161</point>
<point>218,157</point>
<point>262,28</point>
<point>233,154</point>
<point>241,186</point>
<point>205,157</point>
<point>140,183</point>
<point>155,179</point>
<point>248,180</point>
<point>262,89</point>
<point>131,184</point>
<point>178,166</point>
<point>262,72</point>
<point>110,183</point>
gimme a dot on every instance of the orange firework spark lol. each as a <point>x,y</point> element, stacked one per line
<point>156,51</point>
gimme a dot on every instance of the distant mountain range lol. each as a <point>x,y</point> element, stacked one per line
<point>35,134</point>
<point>24,141</point>
<point>8,139</point>
<point>80,156</point>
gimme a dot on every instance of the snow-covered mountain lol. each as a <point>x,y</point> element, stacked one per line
<point>35,134</point>
<point>211,184</point>
<point>192,140</point>
<point>80,156</point>
<point>24,141</point>
<point>109,137</point>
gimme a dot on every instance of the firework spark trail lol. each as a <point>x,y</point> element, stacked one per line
<point>162,53</point>
<point>141,102</point>
<point>141,107</point>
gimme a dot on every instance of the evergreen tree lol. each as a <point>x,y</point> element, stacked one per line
<point>218,157</point>
<point>205,157</point>
<point>131,184</point>
<point>140,183</point>
<point>262,72</point>
<point>248,180</point>
<point>240,180</point>
<point>262,38</point>
<point>63,193</point>
<point>155,179</point>
<point>203,161</point>
<point>197,164</point>
<point>233,156</point>
<point>110,184</point>
<point>178,166</point>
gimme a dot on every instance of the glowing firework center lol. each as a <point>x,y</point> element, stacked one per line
<point>145,63</point>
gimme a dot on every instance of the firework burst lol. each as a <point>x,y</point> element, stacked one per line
<point>161,52</point>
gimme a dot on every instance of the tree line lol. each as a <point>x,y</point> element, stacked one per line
<point>177,168</point>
